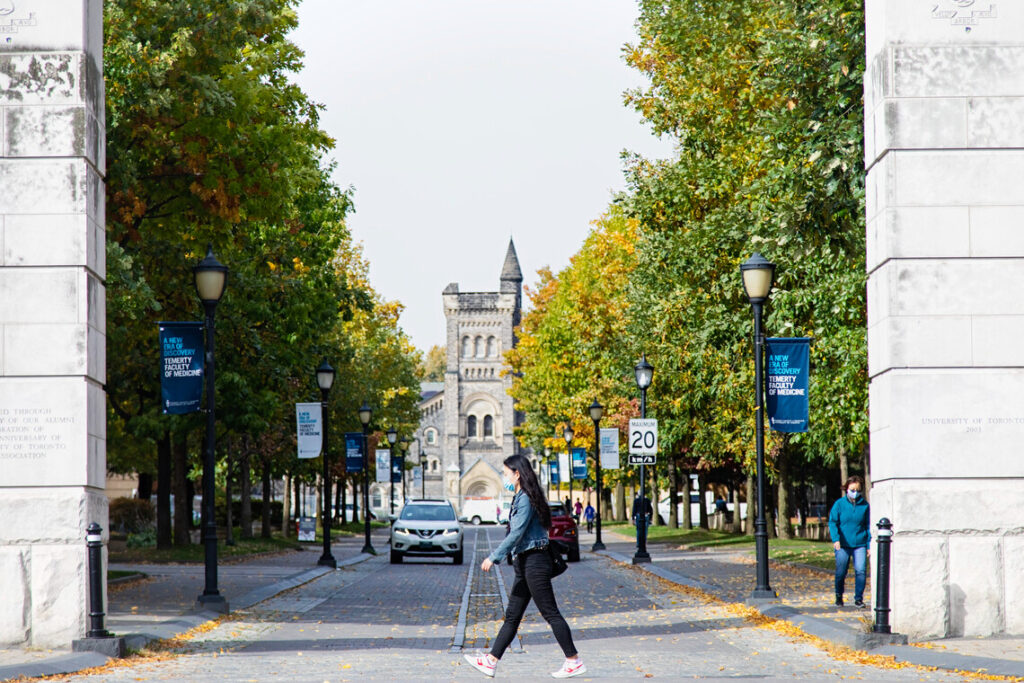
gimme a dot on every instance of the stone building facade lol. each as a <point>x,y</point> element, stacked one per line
<point>466,430</point>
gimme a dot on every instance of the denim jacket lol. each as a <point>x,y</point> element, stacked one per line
<point>525,531</point>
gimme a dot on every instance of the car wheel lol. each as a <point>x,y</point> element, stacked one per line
<point>476,520</point>
<point>396,557</point>
<point>457,557</point>
<point>574,553</point>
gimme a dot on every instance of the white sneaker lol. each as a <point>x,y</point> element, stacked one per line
<point>568,671</point>
<point>481,663</point>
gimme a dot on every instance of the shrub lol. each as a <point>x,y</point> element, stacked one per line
<point>131,515</point>
<point>146,538</point>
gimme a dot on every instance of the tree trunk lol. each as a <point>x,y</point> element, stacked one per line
<point>265,512</point>
<point>163,491</point>
<point>355,501</point>
<point>298,498</point>
<point>620,502</point>
<point>337,501</point>
<point>844,467</point>
<point>748,528</point>
<point>319,500</point>
<point>343,488</point>
<point>286,509</point>
<point>702,485</point>
<point>673,494</point>
<point>245,486</point>
<point>687,507</point>
<point>179,484</point>
<point>229,513</point>
<point>782,490</point>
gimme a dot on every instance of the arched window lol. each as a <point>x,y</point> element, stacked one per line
<point>431,436</point>
<point>471,425</point>
<point>479,347</point>
<point>433,466</point>
<point>492,346</point>
<point>377,500</point>
<point>488,426</point>
<point>465,347</point>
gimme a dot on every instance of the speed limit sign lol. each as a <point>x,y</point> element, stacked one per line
<point>643,441</point>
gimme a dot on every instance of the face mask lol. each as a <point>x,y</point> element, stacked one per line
<point>507,484</point>
<point>853,495</point>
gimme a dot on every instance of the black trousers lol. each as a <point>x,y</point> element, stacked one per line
<point>533,580</point>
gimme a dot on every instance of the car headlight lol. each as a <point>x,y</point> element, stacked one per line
<point>449,532</point>
<point>400,530</point>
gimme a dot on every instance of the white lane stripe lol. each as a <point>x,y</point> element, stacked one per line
<point>460,627</point>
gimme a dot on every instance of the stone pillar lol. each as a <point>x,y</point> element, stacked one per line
<point>52,327</point>
<point>944,147</point>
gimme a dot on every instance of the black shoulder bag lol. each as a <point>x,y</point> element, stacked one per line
<point>558,563</point>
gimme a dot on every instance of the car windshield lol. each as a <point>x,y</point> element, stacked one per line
<point>428,513</point>
<point>558,510</point>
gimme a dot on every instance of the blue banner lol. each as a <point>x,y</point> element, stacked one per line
<point>787,381</point>
<point>579,463</point>
<point>397,467</point>
<point>554,472</point>
<point>353,451</point>
<point>182,356</point>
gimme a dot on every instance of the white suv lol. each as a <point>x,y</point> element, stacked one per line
<point>426,528</point>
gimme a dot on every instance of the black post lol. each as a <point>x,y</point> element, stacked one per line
<point>568,448</point>
<point>882,610</point>
<point>211,598</point>
<point>327,559</point>
<point>391,475</point>
<point>763,589</point>
<point>598,545</point>
<point>642,556</point>
<point>94,541</point>
<point>367,546</point>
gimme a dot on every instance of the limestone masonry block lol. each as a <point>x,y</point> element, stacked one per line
<point>956,178</point>
<point>74,25</point>
<point>14,615</point>
<point>47,240</point>
<point>1013,576</point>
<point>919,341</point>
<point>997,231</point>
<point>45,349</point>
<point>919,231</point>
<point>933,287</point>
<point>957,70</point>
<point>995,340</point>
<point>975,586</point>
<point>40,131</point>
<point>936,22</point>
<point>974,508</point>
<point>63,523</point>
<point>995,122</point>
<point>33,186</point>
<point>919,586</point>
<point>58,589</point>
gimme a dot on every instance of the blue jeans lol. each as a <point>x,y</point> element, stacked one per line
<point>860,566</point>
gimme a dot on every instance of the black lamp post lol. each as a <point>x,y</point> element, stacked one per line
<point>567,434</point>
<point>392,440</point>
<point>551,466</point>
<point>211,278</point>
<point>644,373</point>
<point>596,413</point>
<point>365,413</point>
<point>325,379</point>
<point>758,274</point>
<point>423,468</point>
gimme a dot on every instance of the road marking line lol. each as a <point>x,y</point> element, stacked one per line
<point>460,627</point>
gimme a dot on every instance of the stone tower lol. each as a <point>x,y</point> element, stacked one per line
<point>467,427</point>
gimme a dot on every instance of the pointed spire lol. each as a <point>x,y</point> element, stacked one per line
<point>510,270</point>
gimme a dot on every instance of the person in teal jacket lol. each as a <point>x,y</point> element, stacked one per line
<point>849,526</point>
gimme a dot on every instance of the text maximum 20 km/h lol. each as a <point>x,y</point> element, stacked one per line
<point>643,441</point>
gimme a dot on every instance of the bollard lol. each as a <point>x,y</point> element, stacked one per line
<point>881,624</point>
<point>94,541</point>
<point>97,637</point>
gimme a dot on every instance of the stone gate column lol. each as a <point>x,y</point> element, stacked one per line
<point>944,138</point>
<point>52,328</point>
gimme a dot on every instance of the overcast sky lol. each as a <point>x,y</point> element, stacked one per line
<point>462,123</point>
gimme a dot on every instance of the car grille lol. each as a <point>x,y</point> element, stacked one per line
<point>427,533</point>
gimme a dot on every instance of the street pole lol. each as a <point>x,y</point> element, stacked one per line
<point>596,411</point>
<point>365,415</point>
<point>642,556</point>
<point>325,378</point>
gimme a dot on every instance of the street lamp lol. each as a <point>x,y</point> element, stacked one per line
<point>551,478</point>
<point>365,413</point>
<point>758,274</point>
<point>643,373</point>
<point>423,468</point>
<point>567,434</point>
<point>211,278</point>
<point>392,440</point>
<point>325,379</point>
<point>596,413</point>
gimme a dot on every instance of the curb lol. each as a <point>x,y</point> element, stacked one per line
<point>71,663</point>
<point>890,645</point>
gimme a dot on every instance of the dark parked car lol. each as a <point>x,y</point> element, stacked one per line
<point>563,533</point>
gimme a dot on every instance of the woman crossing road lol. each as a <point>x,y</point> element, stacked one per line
<point>527,547</point>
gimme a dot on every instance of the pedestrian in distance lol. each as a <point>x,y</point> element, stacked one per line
<point>645,506</point>
<point>526,547</point>
<point>577,510</point>
<point>588,515</point>
<point>849,527</point>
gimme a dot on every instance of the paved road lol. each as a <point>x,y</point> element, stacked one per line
<point>405,622</point>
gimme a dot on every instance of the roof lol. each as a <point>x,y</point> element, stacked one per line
<point>429,390</point>
<point>510,270</point>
